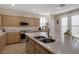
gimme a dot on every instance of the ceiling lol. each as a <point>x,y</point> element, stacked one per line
<point>43,9</point>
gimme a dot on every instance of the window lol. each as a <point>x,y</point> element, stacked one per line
<point>64,26</point>
<point>42,21</point>
<point>75,25</point>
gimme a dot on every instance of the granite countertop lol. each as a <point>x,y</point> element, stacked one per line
<point>18,29</point>
<point>52,47</point>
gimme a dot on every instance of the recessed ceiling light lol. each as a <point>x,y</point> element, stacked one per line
<point>33,9</point>
<point>12,4</point>
<point>60,6</point>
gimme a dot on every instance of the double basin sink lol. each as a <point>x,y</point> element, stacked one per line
<point>44,39</point>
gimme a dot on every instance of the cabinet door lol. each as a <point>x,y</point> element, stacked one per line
<point>13,37</point>
<point>0,20</point>
<point>2,42</point>
<point>40,50</point>
<point>6,21</point>
<point>37,22</point>
<point>0,45</point>
<point>24,19</point>
<point>16,36</point>
<point>10,37</point>
<point>29,46</point>
<point>31,22</point>
<point>15,21</point>
<point>31,49</point>
<point>10,21</point>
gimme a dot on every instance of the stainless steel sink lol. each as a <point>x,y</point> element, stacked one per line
<point>39,37</point>
<point>44,39</point>
<point>47,40</point>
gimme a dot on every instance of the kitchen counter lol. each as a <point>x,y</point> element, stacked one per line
<point>19,28</point>
<point>12,31</point>
<point>52,47</point>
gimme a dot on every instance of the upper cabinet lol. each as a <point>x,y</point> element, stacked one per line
<point>37,21</point>
<point>15,21</point>
<point>31,21</point>
<point>0,20</point>
<point>24,19</point>
<point>12,21</point>
<point>34,21</point>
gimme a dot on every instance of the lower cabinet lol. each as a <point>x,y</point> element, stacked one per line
<point>40,50</point>
<point>2,42</point>
<point>34,48</point>
<point>30,46</point>
<point>13,37</point>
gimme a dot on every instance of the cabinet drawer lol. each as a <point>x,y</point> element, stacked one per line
<point>13,37</point>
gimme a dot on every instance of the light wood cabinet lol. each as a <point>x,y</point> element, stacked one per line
<point>34,22</point>
<point>14,21</point>
<point>24,19</point>
<point>30,46</point>
<point>0,45</point>
<point>13,37</point>
<point>2,42</point>
<point>11,21</point>
<point>40,50</point>
<point>37,22</point>
<point>31,22</point>
<point>34,48</point>
<point>0,20</point>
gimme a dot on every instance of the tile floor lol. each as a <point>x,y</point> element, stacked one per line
<point>18,48</point>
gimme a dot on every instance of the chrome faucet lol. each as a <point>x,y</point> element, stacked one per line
<point>48,31</point>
